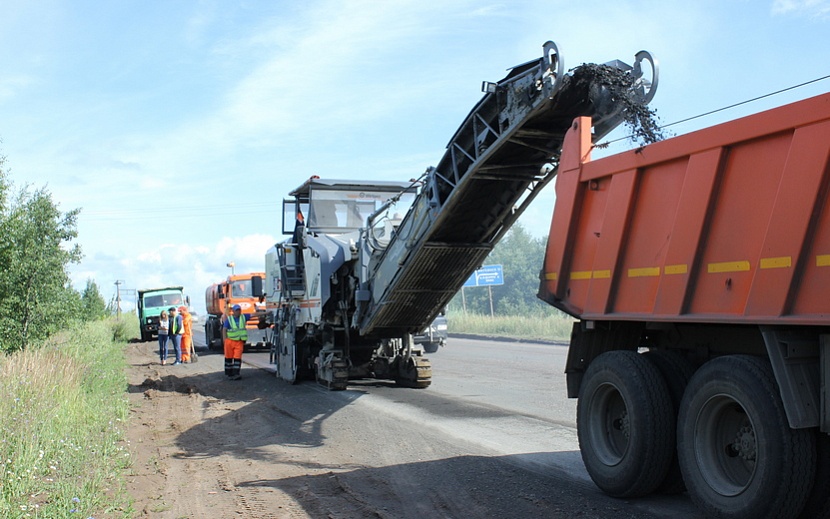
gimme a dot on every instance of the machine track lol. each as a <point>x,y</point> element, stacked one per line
<point>416,374</point>
<point>340,376</point>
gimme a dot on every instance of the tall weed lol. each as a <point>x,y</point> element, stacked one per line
<point>125,327</point>
<point>62,419</point>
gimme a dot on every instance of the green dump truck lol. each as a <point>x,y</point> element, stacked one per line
<point>151,301</point>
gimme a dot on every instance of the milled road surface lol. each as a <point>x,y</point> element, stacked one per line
<point>494,436</point>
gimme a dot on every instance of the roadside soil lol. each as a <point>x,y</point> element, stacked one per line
<point>188,436</point>
<point>204,446</point>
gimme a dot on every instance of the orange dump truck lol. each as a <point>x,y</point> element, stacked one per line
<point>237,289</point>
<point>699,270</point>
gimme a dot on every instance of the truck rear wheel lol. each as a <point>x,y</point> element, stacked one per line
<point>818,504</point>
<point>208,335</point>
<point>676,371</point>
<point>431,347</point>
<point>625,424</point>
<point>212,329</point>
<point>738,455</point>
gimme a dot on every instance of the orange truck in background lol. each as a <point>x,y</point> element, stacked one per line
<point>237,289</point>
<point>698,268</point>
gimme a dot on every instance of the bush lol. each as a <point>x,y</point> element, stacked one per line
<point>124,328</point>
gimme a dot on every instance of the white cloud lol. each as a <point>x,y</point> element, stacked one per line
<point>198,25</point>
<point>245,251</point>
<point>315,75</point>
<point>10,86</point>
<point>165,264</point>
<point>809,8</point>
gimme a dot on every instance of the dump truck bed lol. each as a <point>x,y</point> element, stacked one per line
<point>726,224</point>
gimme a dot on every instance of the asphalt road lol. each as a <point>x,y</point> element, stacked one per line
<point>492,399</point>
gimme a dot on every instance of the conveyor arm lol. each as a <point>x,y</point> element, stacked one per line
<point>503,154</point>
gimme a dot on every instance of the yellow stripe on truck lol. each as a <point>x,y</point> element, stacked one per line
<point>728,266</point>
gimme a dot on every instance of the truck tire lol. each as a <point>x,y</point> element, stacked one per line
<point>431,347</point>
<point>818,503</point>
<point>208,335</point>
<point>676,371</point>
<point>625,424</point>
<point>738,455</point>
<point>211,330</point>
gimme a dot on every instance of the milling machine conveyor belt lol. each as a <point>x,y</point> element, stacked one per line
<point>502,155</point>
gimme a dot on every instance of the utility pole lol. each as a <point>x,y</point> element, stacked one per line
<point>118,299</point>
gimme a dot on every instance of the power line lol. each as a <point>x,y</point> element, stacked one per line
<point>727,107</point>
<point>267,209</point>
<point>747,101</point>
<point>142,212</point>
<point>202,213</point>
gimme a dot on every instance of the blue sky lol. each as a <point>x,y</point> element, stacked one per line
<point>178,126</point>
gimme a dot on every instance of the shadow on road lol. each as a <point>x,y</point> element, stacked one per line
<point>261,418</point>
<point>463,486</point>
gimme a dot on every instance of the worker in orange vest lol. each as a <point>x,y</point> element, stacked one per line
<point>187,337</point>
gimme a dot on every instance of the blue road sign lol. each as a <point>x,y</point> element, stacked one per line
<point>487,275</point>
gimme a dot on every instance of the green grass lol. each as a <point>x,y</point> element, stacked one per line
<point>63,414</point>
<point>125,327</point>
<point>544,326</point>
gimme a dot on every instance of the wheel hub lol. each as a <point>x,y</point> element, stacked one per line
<point>623,424</point>
<point>744,444</point>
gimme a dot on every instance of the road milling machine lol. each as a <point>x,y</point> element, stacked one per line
<point>369,264</point>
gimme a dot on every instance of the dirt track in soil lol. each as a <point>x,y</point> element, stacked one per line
<point>190,435</point>
<point>204,446</point>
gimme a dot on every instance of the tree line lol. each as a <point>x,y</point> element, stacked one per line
<point>521,256</point>
<point>36,249</point>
